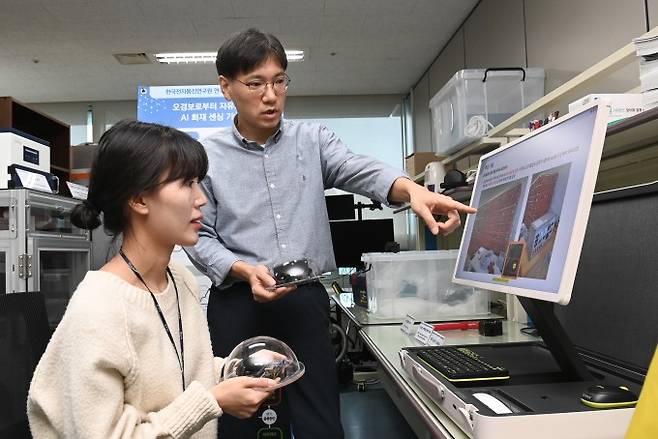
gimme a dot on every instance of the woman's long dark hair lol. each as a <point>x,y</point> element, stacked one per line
<point>132,159</point>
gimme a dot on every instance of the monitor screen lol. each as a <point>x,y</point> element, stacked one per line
<point>340,207</point>
<point>353,238</point>
<point>533,198</point>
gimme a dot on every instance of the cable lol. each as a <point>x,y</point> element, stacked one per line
<point>477,126</point>
<point>470,175</point>
<point>343,342</point>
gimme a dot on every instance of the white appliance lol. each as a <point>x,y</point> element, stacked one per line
<point>23,150</point>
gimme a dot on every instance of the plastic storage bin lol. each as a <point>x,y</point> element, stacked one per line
<point>419,283</point>
<point>475,100</point>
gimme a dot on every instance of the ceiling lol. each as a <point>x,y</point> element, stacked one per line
<point>62,50</point>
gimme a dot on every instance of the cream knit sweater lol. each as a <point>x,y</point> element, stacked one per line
<point>110,371</point>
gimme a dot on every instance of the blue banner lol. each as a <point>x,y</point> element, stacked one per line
<point>196,109</point>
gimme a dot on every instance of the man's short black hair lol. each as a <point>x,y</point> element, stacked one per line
<point>246,50</point>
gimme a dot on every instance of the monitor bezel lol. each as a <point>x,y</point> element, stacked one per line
<point>563,295</point>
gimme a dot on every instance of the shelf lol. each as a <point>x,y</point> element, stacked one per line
<point>485,144</point>
<point>583,84</point>
<point>59,168</point>
<point>631,134</point>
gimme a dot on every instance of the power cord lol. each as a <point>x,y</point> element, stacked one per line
<point>477,126</point>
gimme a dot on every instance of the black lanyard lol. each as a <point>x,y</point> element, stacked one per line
<point>181,357</point>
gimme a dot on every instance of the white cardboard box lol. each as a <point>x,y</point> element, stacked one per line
<point>620,106</point>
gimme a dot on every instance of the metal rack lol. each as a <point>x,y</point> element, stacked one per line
<point>40,249</point>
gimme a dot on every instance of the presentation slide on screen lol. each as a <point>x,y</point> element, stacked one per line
<point>527,196</point>
<point>199,110</point>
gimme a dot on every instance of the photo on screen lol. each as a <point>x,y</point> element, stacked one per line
<point>541,218</point>
<point>495,225</point>
<point>513,259</point>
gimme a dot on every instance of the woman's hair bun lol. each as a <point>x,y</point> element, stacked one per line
<point>86,216</point>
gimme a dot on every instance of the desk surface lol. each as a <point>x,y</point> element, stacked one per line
<point>384,341</point>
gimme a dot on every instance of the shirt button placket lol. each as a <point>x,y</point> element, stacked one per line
<point>269,176</point>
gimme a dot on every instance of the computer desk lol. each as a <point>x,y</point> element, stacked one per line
<point>383,338</point>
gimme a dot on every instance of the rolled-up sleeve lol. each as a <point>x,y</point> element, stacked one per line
<point>356,173</point>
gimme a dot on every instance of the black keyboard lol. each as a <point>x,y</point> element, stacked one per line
<point>461,364</point>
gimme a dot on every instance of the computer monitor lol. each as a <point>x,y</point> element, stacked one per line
<point>340,207</point>
<point>533,198</point>
<point>353,238</point>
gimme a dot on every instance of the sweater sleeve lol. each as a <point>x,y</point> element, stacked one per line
<point>78,387</point>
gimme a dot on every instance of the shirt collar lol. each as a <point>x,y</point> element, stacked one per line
<point>274,138</point>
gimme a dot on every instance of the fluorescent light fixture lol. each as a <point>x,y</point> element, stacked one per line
<point>186,57</point>
<point>210,57</point>
<point>295,55</point>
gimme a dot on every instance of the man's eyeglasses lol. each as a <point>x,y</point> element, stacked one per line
<point>279,85</point>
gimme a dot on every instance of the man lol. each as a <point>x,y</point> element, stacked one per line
<point>265,188</point>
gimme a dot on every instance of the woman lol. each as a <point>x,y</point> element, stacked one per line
<point>132,356</point>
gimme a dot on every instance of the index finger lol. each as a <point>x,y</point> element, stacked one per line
<point>461,207</point>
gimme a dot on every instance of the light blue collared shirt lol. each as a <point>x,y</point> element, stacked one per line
<point>266,202</point>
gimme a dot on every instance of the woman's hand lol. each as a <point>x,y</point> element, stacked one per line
<point>241,396</point>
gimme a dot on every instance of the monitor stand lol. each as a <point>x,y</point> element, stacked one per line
<point>557,341</point>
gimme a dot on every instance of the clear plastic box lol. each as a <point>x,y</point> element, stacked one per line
<point>419,283</point>
<point>468,106</point>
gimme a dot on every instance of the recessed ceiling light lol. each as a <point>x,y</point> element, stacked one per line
<point>132,58</point>
<point>210,57</point>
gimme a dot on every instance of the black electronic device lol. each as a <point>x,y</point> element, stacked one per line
<point>296,272</point>
<point>512,259</point>
<point>490,328</point>
<point>461,364</point>
<point>353,238</point>
<point>453,179</point>
<point>605,397</point>
<point>292,271</point>
<point>340,207</point>
<point>16,182</point>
